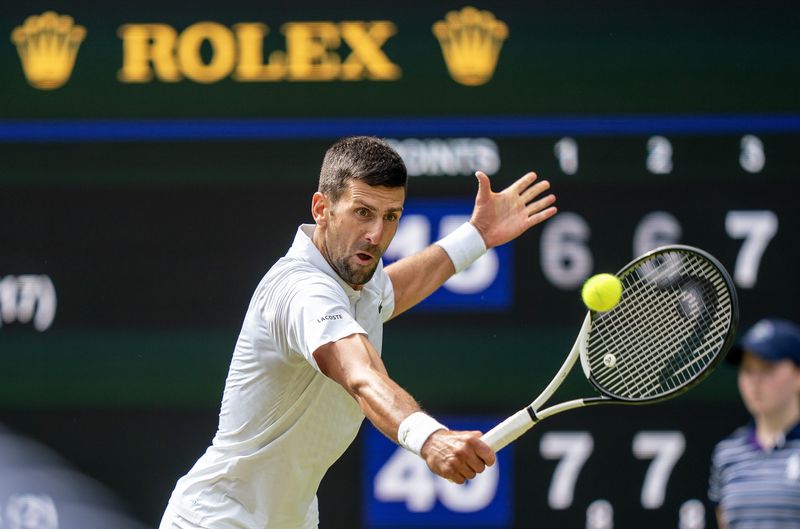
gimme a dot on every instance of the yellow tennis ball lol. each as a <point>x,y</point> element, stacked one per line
<point>602,292</point>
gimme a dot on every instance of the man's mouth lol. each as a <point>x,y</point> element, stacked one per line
<point>364,258</point>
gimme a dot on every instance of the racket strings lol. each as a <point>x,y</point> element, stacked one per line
<point>670,371</point>
<point>632,379</point>
<point>671,323</point>
<point>616,341</point>
<point>678,364</point>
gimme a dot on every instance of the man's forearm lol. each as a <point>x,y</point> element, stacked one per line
<point>416,277</point>
<point>384,402</point>
<point>354,364</point>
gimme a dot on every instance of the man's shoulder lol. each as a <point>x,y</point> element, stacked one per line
<point>293,265</point>
<point>740,435</point>
<point>735,444</point>
<point>291,273</point>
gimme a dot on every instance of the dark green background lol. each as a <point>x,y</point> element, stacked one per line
<point>619,56</point>
<point>154,248</point>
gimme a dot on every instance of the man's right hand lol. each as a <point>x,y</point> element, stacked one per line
<point>457,455</point>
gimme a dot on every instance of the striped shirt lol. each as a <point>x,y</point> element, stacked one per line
<point>753,487</point>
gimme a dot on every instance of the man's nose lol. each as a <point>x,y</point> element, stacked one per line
<point>375,231</point>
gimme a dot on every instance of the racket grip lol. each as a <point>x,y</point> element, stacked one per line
<point>508,430</point>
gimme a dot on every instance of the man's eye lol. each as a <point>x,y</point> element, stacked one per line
<point>391,217</point>
<point>362,212</point>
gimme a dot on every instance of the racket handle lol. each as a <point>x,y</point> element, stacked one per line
<point>508,430</point>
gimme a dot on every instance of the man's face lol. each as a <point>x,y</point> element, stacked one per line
<point>357,228</point>
<point>768,388</point>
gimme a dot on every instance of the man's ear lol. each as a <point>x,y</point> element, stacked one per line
<point>319,209</point>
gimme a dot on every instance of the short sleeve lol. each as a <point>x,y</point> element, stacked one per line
<point>317,313</point>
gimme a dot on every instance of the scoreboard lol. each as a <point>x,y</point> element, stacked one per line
<point>118,286</point>
<point>155,219</point>
<point>150,180</point>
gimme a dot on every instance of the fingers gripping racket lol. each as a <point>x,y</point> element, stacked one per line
<point>674,323</point>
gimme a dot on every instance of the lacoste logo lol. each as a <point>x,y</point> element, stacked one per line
<point>329,317</point>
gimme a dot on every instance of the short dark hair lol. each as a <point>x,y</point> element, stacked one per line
<point>365,158</point>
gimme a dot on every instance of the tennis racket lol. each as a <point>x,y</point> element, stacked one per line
<point>673,325</point>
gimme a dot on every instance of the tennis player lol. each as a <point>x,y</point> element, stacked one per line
<point>307,366</point>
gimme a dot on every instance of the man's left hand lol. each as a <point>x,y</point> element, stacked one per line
<point>501,217</point>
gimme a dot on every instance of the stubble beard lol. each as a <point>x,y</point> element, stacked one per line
<point>352,276</point>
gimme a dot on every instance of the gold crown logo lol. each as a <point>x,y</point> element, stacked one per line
<point>47,45</point>
<point>471,42</point>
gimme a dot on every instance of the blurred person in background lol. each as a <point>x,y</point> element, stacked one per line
<point>755,472</point>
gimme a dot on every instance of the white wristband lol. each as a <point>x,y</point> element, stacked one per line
<point>464,245</point>
<point>415,430</point>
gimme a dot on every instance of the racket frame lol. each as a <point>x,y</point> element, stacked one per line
<point>729,338</point>
<point>523,420</point>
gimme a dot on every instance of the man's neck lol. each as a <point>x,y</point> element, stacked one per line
<point>771,429</point>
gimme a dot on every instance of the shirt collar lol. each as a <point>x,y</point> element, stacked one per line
<point>791,434</point>
<point>303,248</point>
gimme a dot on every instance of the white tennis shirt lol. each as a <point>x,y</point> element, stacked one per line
<point>283,423</point>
